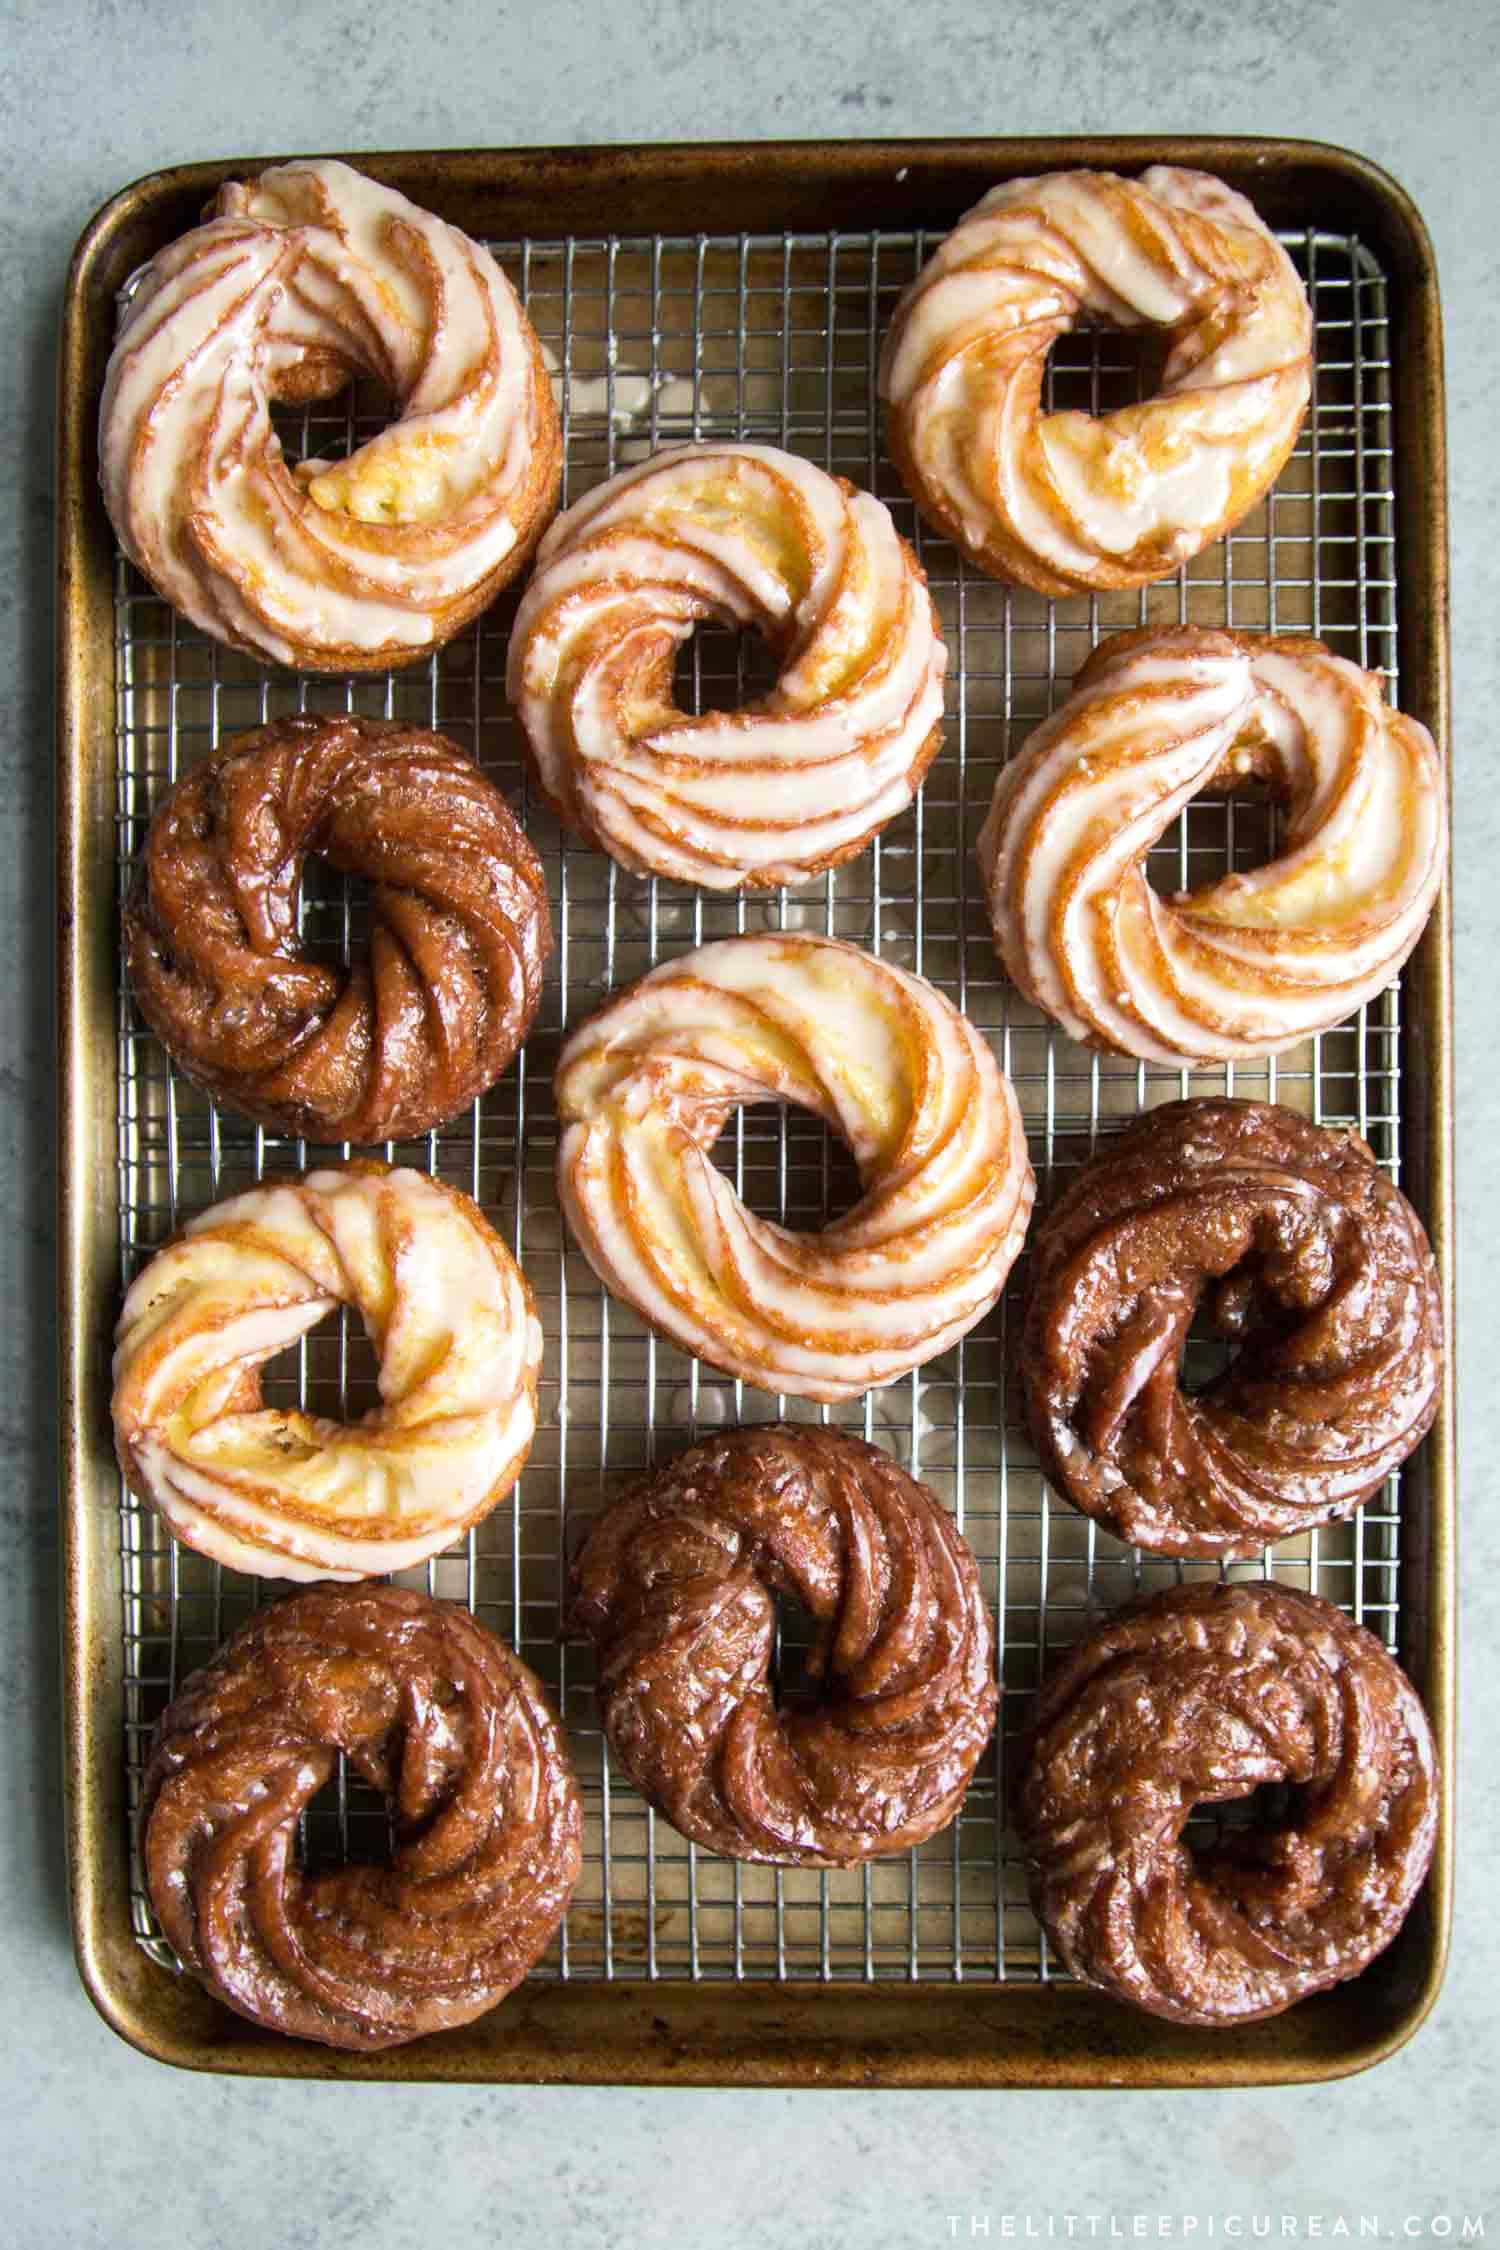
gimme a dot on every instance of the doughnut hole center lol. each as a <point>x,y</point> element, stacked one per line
<point>348,1823</point>
<point>332,1371</point>
<point>335,914</point>
<point>718,669</point>
<point>1234,1843</point>
<point>786,1166</point>
<point>1207,1352</point>
<point>796,1679</point>
<point>1267,1809</point>
<point>324,409</point>
<point>1219,832</point>
<point>1230,1315</point>
<point>1097,370</point>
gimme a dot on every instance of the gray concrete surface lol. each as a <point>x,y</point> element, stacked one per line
<point>100,2147</point>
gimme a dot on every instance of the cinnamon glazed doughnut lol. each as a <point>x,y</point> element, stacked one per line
<point>752,537</point>
<point>429,1708</point>
<point>298,281</point>
<point>430,1013</point>
<point>1308,1260</point>
<point>1250,963</point>
<point>1198,1696</point>
<point>645,1087</point>
<point>285,1494</point>
<point>1072,503</point>
<point>676,1589</point>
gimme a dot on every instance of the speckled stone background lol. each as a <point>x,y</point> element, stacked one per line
<point>100,2147</point>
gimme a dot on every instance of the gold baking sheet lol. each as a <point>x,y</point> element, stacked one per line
<point>674,1964</point>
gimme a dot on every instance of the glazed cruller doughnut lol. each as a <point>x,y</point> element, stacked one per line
<point>1305,1256</point>
<point>286,1494</point>
<point>646,1086</point>
<point>1071,503</point>
<point>297,281</point>
<point>442,1718</point>
<point>675,1589</point>
<point>1199,1696</point>
<point>752,536</point>
<point>1252,962</point>
<point>426,1016</point>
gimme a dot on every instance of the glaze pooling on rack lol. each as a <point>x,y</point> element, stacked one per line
<point>773,339</point>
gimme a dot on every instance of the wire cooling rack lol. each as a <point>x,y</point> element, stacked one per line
<point>653,341</point>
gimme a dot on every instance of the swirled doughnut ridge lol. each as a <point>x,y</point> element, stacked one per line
<point>1197,1697</point>
<point>299,280</point>
<point>645,1087</point>
<point>750,536</point>
<point>1252,962</point>
<point>1308,1259</point>
<point>676,1589</point>
<point>286,1494</point>
<point>1072,502</point>
<point>420,1022</point>
<point>433,1710</point>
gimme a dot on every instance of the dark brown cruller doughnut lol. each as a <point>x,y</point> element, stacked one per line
<point>1197,1696</point>
<point>1310,1261</point>
<point>429,1707</point>
<point>676,1589</point>
<point>418,1024</point>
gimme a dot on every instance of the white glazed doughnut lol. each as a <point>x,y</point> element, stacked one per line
<point>1253,962</point>
<point>295,282</point>
<point>1068,503</point>
<point>752,537</point>
<point>285,1494</point>
<point>645,1087</point>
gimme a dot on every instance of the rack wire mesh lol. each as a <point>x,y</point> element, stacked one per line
<point>774,338</point>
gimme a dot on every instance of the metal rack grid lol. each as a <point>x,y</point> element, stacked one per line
<point>772,338</point>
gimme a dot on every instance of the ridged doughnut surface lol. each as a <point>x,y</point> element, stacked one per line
<point>751,537</point>
<point>1199,1696</point>
<point>1307,1258</point>
<point>676,1589</point>
<point>1069,502</point>
<point>298,281</point>
<point>645,1087</point>
<point>284,1494</point>
<point>434,1711</point>
<point>423,1019</point>
<point>1250,963</point>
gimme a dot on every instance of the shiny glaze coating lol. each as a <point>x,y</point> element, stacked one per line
<point>645,1087</point>
<point>422,1020</point>
<point>1256,960</point>
<point>1201,1695</point>
<point>429,1707</point>
<point>296,282</point>
<point>676,1589</point>
<point>751,536</point>
<point>1309,1260</point>
<point>285,1494</point>
<point>1073,502</point>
